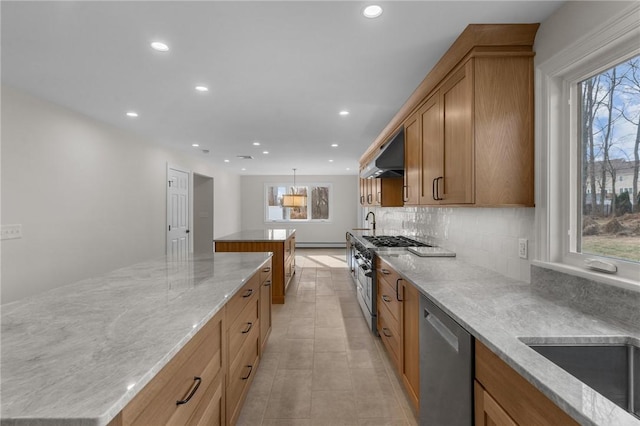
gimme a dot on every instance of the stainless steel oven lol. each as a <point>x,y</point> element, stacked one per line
<point>359,259</point>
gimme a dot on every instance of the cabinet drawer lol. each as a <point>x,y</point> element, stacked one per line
<point>265,272</point>
<point>387,297</point>
<point>241,375</point>
<point>248,293</point>
<point>241,328</point>
<point>200,358</point>
<point>390,336</point>
<point>388,273</point>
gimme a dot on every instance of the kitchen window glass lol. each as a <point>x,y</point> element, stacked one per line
<point>608,198</point>
<point>318,206</point>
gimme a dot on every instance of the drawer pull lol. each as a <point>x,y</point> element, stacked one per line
<point>250,324</point>
<point>267,283</point>
<point>248,293</point>
<point>397,292</point>
<point>267,269</point>
<point>250,370</point>
<point>197,381</point>
<point>386,332</point>
<point>385,272</point>
<point>386,298</point>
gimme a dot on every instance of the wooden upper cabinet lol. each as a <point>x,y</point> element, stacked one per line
<point>469,124</point>
<point>381,192</point>
<point>412,164</point>
<point>455,185</point>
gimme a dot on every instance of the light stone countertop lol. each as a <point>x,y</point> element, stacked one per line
<point>76,355</point>
<point>259,235</point>
<point>499,312</point>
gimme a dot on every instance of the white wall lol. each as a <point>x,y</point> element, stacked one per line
<point>202,214</point>
<point>344,199</point>
<point>90,197</point>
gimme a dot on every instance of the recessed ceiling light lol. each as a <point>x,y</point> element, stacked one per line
<point>243,169</point>
<point>348,168</point>
<point>226,161</point>
<point>334,145</point>
<point>344,112</point>
<point>159,46</point>
<point>132,114</point>
<point>195,145</point>
<point>265,152</point>
<point>372,11</point>
<point>202,88</point>
<point>256,143</point>
<point>331,161</point>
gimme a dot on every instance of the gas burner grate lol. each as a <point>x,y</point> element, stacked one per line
<point>394,241</point>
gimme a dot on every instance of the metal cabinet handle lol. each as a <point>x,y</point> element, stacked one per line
<point>197,381</point>
<point>250,324</point>
<point>437,189</point>
<point>369,198</point>
<point>378,196</point>
<point>267,283</point>
<point>250,370</point>
<point>433,189</point>
<point>267,269</point>
<point>405,193</point>
<point>386,332</point>
<point>362,199</point>
<point>386,298</point>
<point>397,292</point>
<point>385,272</point>
<point>248,293</point>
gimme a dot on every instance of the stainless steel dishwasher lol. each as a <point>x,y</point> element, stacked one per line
<point>446,369</point>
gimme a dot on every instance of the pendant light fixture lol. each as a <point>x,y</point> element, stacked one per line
<point>294,199</point>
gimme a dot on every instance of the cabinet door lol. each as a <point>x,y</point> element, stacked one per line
<point>412,160</point>
<point>265,310</point>
<point>363,192</point>
<point>376,189</point>
<point>432,150</point>
<point>487,410</point>
<point>457,185</point>
<point>411,343</point>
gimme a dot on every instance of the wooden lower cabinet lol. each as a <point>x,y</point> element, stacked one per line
<point>398,320</point>
<point>207,381</point>
<point>503,397</point>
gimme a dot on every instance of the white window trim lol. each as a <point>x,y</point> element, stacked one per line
<point>299,184</point>
<point>555,183</point>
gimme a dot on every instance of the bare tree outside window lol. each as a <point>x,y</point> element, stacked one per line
<point>317,208</point>
<point>320,206</point>
<point>610,132</point>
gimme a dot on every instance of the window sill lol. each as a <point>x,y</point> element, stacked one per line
<point>601,277</point>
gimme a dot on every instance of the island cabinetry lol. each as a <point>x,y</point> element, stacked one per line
<point>265,304</point>
<point>243,337</point>
<point>189,390</point>
<point>503,397</point>
<point>283,248</point>
<point>398,320</point>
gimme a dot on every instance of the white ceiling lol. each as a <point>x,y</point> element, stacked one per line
<point>278,72</point>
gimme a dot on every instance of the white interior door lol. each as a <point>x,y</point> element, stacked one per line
<point>177,213</point>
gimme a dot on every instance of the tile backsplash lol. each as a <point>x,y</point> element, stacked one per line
<point>486,237</point>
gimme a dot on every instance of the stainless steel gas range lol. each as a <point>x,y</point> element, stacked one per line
<point>360,254</point>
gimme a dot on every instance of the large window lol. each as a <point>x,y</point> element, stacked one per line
<point>609,137</point>
<point>587,135</point>
<point>318,206</point>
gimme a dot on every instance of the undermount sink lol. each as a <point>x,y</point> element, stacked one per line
<point>611,369</point>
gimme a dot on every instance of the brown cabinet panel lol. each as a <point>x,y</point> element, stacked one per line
<point>432,151</point>
<point>525,404</point>
<point>411,343</point>
<point>265,305</point>
<point>487,411</point>
<point>412,160</point>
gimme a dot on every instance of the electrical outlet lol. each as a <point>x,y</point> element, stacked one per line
<point>10,232</point>
<point>522,248</point>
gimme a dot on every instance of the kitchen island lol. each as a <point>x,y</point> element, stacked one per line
<point>81,353</point>
<point>281,242</point>
<point>506,315</point>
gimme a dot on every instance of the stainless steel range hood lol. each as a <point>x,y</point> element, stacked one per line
<point>390,160</point>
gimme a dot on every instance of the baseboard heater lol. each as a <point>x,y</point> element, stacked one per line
<point>300,244</point>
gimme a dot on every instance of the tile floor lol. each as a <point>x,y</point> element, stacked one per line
<point>322,366</point>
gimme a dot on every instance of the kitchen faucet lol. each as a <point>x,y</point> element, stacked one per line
<point>374,219</point>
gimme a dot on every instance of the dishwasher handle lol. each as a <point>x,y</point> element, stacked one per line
<point>444,332</point>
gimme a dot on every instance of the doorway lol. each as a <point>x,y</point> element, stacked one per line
<point>203,214</point>
<point>177,213</point>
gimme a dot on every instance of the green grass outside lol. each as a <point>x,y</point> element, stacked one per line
<point>627,248</point>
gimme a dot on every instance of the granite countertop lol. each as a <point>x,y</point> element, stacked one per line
<point>503,313</point>
<point>76,355</point>
<point>259,235</point>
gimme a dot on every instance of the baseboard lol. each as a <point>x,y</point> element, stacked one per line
<point>320,244</point>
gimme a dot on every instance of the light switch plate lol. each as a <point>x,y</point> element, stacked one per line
<point>522,248</point>
<point>11,232</point>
